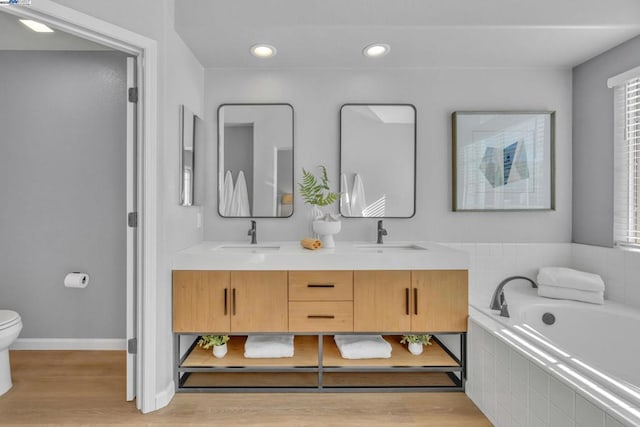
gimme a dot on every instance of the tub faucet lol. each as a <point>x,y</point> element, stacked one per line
<point>253,233</point>
<point>381,232</point>
<point>497,300</point>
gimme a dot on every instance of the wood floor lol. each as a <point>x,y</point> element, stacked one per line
<point>88,388</point>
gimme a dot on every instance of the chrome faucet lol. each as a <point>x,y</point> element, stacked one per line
<point>497,300</point>
<point>253,233</point>
<point>381,232</point>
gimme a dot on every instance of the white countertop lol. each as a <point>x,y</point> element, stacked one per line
<point>345,256</point>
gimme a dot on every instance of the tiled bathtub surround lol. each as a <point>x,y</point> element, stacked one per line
<point>511,389</point>
<point>514,390</point>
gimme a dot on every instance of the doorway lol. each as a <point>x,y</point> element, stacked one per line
<point>141,261</point>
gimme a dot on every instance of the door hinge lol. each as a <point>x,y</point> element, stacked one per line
<point>132,346</point>
<point>133,94</point>
<point>132,219</point>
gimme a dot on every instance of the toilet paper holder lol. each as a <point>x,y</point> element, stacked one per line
<point>76,279</point>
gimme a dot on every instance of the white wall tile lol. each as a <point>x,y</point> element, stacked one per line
<point>587,414</point>
<point>612,422</point>
<point>539,380</point>
<point>562,397</point>
<point>632,278</point>
<point>538,406</point>
<point>558,418</point>
<point>503,419</point>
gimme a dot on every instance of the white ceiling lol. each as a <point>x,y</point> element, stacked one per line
<point>15,36</point>
<point>422,33</point>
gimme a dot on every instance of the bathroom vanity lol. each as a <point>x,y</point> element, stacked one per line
<point>388,289</point>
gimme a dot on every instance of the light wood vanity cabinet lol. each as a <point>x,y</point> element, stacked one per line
<point>320,301</point>
<point>440,301</point>
<point>416,301</point>
<point>313,306</point>
<point>230,301</point>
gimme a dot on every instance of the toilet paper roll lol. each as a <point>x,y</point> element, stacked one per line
<point>76,280</point>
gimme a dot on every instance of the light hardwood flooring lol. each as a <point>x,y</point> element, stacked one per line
<point>88,388</point>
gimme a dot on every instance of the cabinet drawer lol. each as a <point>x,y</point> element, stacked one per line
<point>320,285</point>
<point>321,316</point>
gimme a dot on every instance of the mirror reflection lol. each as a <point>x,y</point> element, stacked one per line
<point>187,156</point>
<point>255,160</point>
<point>377,160</point>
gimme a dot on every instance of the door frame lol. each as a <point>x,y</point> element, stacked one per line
<point>146,52</point>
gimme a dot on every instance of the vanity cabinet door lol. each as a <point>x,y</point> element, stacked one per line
<point>381,301</point>
<point>439,301</point>
<point>200,301</point>
<point>259,301</point>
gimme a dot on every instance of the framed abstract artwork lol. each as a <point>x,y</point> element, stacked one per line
<point>503,161</point>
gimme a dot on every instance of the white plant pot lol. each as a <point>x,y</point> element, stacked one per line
<point>415,348</point>
<point>326,230</point>
<point>220,351</point>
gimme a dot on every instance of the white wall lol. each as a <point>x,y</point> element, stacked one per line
<point>317,95</point>
<point>180,81</point>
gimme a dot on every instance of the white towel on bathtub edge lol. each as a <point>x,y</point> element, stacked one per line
<point>268,346</point>
<point>571,294</point>
<point>363,346</point>
<point>562,277</point>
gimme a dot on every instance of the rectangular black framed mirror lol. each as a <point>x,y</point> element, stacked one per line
<point>378,160</point>
<point>255,160</point>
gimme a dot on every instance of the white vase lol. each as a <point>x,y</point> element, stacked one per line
<point>326,230</point>
<point>314,214</point>
<point>415,348</point>
<point>220,351</point>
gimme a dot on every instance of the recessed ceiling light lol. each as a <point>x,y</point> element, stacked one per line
<point>263,50</point>
<point>376,50</point>
<point>36,26</point>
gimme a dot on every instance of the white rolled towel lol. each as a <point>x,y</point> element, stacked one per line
<point>268,346</point>
<point>363,346</point>
<point>562,277</point>
<point>556,292</point>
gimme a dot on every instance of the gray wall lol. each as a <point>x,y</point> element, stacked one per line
<point>316,96</point>
<point>593,143</point>
<point>62,160</point>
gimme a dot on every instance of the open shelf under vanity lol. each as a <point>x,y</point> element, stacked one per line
<point>318,366</point>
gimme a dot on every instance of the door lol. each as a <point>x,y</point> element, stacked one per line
<point>201,301</point>
<point>440,301</point>
<point>381,301</point>
<point>259,301</point>
<point>132,241</point>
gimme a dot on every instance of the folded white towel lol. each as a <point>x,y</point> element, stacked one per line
<point>568,278</point>
<point>363,346</point>
<point>593,297</point>
<point>268,346</point>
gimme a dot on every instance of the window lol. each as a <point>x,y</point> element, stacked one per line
<point>626,226</point>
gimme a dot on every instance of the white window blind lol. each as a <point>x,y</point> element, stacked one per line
<point>626,218</point>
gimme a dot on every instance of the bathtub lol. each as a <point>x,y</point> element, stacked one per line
<point>593,350</point>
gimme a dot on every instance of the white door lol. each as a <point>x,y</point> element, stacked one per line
<point>132,230</point>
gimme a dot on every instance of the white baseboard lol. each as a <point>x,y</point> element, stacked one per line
<point>164,397</point>
<point>69,344</point>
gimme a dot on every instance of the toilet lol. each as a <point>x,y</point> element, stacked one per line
<point>10,327</point>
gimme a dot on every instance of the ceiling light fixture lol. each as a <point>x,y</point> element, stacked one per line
<point>263,50</point>
<point>376,50</point>
<point>36,26</point>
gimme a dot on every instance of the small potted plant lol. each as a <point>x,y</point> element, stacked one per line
<point>318,194</point>
<point>416,342</point>
<point>218,342</point>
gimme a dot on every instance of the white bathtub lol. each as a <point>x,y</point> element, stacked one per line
<point>595,349</point>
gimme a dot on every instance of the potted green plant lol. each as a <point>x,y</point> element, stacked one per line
<point>317,193</point>
<point>218,342</point>
<point>416,342</point>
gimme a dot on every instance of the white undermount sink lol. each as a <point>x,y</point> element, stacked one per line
<point>249,248</point>
<point>387,247</point>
